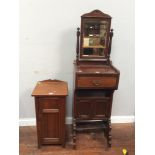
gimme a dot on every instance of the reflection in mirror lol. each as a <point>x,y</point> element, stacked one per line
<point>94,38</point>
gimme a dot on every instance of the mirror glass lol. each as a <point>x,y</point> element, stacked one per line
<point>94,38</point>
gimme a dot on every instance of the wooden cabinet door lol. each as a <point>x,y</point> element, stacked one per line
<point>83,108</point>
<point>52,120</point>
<point>100,108</point>
<point>92,108</point>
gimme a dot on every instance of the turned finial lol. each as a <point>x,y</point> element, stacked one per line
<point>110,43</point>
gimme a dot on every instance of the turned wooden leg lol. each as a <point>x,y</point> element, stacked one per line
<point>74,133</point>
<point>109,133</point>
<point>63,145</point>
<point>105,130</point>
<point>39,144</point>
<point>39,141</point>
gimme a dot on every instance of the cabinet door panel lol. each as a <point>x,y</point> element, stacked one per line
<point>83,108</point>
<point>100,109</point>
<point>50,110</point>
<point>50,127</point>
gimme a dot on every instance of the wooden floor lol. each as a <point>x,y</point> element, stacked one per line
<point>91,143</point>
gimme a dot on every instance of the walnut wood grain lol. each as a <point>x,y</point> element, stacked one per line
<point>95,79</point>
<point>50,88</point>
<point>96,82</point>
<point>95,69</point>
<point>50,111</point>
<point>96,14</point>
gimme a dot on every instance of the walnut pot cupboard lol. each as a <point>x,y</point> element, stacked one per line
<point>50,103</point>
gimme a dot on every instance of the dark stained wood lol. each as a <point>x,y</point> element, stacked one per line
<point>110,41</point>
<point>96,14</point>
<point>88,143</point>
<point>77,44</point>
<point>50,111</point>
<point>83,109</point>
<point>95,81</point>
<point>95,69</point>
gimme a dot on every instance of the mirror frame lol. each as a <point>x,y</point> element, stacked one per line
<point>97,16</point>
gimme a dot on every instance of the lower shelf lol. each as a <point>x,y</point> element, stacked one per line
<point>88,125</point>
<point>91,125</point>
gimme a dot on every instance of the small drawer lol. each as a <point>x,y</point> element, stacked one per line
<point>50,103</point>
<point>96,82</point>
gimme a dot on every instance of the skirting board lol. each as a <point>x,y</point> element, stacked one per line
<point>114,119</point>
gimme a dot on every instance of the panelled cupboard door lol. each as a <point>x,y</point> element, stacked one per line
<point>51,119</point>
<point>92,108</point>
<point>100,108</point>
<point>83,108</point>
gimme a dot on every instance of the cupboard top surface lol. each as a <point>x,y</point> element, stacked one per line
<point>95,70</point>
<point>50,88</point>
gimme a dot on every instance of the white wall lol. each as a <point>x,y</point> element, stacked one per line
<point>48,43</point>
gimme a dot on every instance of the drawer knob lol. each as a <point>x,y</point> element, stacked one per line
<point>96,82</point>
